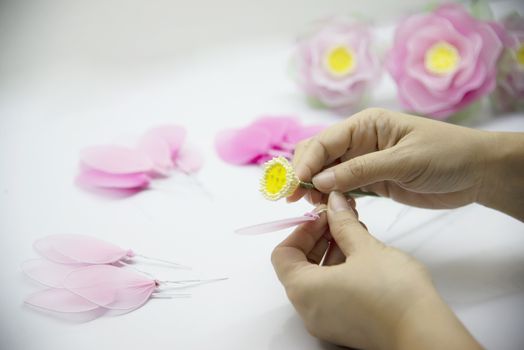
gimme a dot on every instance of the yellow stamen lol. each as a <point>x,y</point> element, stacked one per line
<point>442,58</point>
<point>341,60</point>
<point>520,55</point>
<point>279,180</point>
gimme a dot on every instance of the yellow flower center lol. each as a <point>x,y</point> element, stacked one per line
<point>279,180</point>
<point>520,55</point>
<point>341,60</point>
<point>442,58</point>
<point>276,177</point>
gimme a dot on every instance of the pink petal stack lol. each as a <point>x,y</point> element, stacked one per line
<point>263,139</point>
<point>159,151</point>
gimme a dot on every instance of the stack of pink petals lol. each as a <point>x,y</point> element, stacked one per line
<point>84,275</point>
<point>158,152</point>
<point>265,138</point>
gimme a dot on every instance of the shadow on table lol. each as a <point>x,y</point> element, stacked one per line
<point>479,278</point>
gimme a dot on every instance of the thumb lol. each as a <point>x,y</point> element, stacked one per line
<point>360,171</point>
<point>344,226</point>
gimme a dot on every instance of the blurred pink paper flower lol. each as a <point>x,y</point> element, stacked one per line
<point>159,151</point>
<point>444,60</point>
<point>509,94</point>
<point>336,65</point>
<point>265,138</point>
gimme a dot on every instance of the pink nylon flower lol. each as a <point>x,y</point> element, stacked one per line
<point>336,64</point>
<point>265,138</point>
<point>509,94</point>
<point>159,151</point>
<point>444,60</point>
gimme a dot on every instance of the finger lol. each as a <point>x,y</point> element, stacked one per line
<point>334,255</point>
<point>319,250</point>
<point>361,171</point>
<point>299,193</point>
<point>291,255</point>
<point>321,150</point>
<point>344,226</point>
<point>297,155</point>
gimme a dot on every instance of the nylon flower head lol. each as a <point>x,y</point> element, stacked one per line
<point>279,179</point>
<point>336,65</point>
<point>445,60</point>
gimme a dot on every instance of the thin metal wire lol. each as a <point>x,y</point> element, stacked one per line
<point>167,262</point>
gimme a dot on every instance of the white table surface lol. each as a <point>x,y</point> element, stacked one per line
<point>75,74</point>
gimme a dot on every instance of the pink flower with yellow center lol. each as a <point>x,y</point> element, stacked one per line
<point>336,65</point>
<point>510,90</point>
<point>444,60</point>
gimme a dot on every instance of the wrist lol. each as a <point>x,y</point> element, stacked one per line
<point>431,324</point>
<point>503,181</point>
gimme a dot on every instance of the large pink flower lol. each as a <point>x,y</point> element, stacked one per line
<point>445,60</point>
<point>510,90</point>
<point>336,65</point>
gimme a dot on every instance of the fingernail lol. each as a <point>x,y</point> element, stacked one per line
<point>325,180</point>
<point>337,202</point>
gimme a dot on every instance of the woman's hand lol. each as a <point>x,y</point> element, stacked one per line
<point>365,294</point>
<point>413,160</point>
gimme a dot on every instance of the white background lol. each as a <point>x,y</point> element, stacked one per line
<point>79,73</point>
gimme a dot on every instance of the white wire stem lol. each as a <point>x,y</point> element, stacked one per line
<point>162,261</point>
<point>398,217</point>
<point>181,284</point>
<point>159,295</point>
<point>128,265</point>
<point>193,178</point>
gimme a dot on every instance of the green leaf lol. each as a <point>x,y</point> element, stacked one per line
<point>480,9</point>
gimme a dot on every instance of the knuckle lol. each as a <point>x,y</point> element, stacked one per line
<point>301,145</point>
<point>274,255</point>
<point>296,294</point>
<point>345,224</point>
<point>357,168</point>
<point>376,113</point>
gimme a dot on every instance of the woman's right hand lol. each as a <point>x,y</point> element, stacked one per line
<point>413,160</point>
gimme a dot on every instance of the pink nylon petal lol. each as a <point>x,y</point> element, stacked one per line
<point>48,273</point>
<point>95,178</point>
<point>242,146</point>
<point>110,287</point>
<point>174,135</point>
<point>276,225</point>
<point>114,159</point>
<point>158,150</point>
<point>296,135</point>
<point>46,249</point>
<point>277,127</point>
<point>60,300</point>
<point>83,249</point>
<point>189,159</point>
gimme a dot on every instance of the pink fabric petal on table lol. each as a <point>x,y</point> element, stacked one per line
<point>277,127</point>
<point>82,249</point>
<point>174,135</point>
<point>60,300</point>
<point>275,225</point>
<point>48,273</point>
<point>158,150</point>
<point>296,135</point>
<point>45,248</point>
<point>242,146</point>
<point>189,159</point>
<point>114,159</point>
<point>95,178</point>
<point>110,287</point>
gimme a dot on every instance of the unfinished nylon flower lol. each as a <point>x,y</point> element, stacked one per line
<point>262,140</point>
